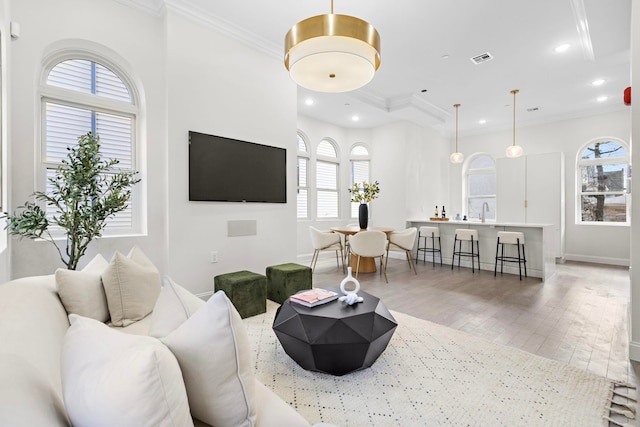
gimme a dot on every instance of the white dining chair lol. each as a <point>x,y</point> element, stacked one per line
<point>325,241</point>
<point>403,241</point>
<point>369,244</point>
<point>347,251</point>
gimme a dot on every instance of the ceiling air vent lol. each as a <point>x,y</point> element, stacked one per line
<point>483,57</point>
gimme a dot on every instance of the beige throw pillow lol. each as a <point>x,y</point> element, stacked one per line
<point>114,379</point>
<point>132,286</point>
<point>174,306</point>
<point>81,292</point>
<point>213,351</point>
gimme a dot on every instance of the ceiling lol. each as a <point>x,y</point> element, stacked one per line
<point>426,46</point>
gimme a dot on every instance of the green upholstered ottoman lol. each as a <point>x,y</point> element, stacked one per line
<point>285,280</point>
<point>246,290</point>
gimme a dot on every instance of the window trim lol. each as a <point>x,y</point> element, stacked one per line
<point>89,51</point>
<point>580,162</point>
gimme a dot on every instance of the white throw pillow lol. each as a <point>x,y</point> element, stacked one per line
<point>173,307</point>
<point>213,351</point>
<point>81,292</point>
<point>115,379</point>
<point>132,285</point>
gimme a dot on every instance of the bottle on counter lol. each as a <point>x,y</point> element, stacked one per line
<point>444,215</point>
<point>436,214</point>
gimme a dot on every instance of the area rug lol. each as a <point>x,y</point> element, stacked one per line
<point>431,375</point>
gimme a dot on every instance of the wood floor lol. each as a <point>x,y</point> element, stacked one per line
<point>579,316</point>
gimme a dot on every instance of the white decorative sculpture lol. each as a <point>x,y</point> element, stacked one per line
<point>350,297</point>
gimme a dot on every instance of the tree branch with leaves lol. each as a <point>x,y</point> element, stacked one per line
<point>87,190</point>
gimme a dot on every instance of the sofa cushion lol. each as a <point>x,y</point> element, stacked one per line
<point>115,379</point>
<point>213,351</point>
<point>173,307</point>
<point>132,286</point>
<point>81,292</point>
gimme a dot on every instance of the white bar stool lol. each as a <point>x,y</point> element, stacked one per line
<point>467,235</point>
<point>432,233</point>
<point>510,238</point>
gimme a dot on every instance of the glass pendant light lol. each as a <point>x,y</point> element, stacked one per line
<point>456,157</point>
<point>514,150</point>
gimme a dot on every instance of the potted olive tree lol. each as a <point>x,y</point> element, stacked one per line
<point>87,190</point>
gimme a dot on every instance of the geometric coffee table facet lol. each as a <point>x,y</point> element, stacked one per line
<point>335,338</point>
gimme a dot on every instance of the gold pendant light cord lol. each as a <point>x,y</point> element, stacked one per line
<point>456,107</point>
<point>514,117</point>
<point>331,7</point>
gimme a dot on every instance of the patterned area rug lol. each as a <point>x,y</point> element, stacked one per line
<point>431,375</point>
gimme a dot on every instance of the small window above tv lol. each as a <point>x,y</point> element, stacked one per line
<point>229,170</point>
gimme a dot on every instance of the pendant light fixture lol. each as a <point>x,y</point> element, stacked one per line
<point>514,150</point>
<point>456,157</point>
<point>332,53</point>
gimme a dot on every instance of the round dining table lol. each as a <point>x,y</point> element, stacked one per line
<point>367,264</point>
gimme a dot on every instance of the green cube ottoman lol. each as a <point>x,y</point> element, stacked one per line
<point>246,290</point>
<point>285,280</point>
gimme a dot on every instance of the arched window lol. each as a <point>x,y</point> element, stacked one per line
<point>481,186</point>
<point>360,170</point>
<point>303,178</point>
<point>82,93</point>
<point>602,169</point>
<point>327,166</point>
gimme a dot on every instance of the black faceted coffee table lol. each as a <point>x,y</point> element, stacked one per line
<point>335,338</point>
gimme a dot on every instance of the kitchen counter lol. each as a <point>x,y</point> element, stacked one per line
<point>538,244</point>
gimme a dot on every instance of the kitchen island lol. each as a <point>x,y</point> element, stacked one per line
<point>538,244</point>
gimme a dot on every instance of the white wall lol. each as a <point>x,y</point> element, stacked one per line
<point>138,40</point>
<point>592,243</point>
<point>410,165</point>
<point>5,42</point>
<point>634,345</point>
<point>221,87</point>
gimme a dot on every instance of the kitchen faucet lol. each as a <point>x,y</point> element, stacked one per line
<point>483,205</point>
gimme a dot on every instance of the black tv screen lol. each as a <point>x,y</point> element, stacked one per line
<point>228,170</point>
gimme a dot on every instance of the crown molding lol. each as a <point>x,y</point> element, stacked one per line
<point>150,7</point>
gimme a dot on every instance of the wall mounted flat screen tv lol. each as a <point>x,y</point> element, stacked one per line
<point>228,170</point>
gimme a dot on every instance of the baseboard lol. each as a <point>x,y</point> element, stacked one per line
<point>597,259</point>
<point>634,351</point>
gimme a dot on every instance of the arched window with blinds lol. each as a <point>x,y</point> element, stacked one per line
<point>327,166</point>
<point>360,170</point>
<point>81,94</point>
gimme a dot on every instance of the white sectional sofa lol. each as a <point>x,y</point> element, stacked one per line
<point>33,324</point>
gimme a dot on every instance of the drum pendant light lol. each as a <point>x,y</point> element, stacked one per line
<point>332,53</point>
<point>514,150</point>
<point>456,157</point>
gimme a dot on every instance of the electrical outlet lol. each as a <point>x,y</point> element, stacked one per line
<point>214,257</point>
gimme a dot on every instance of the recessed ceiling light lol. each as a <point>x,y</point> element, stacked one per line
<point>602,98</point>
<point>445,56</point>
<point>562,48</point>
<point>355,118</point>
<point>482,121</point>
<point>308,101</point>
<point>597,82</point>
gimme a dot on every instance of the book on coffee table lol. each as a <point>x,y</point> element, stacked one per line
<point>314,297</point>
